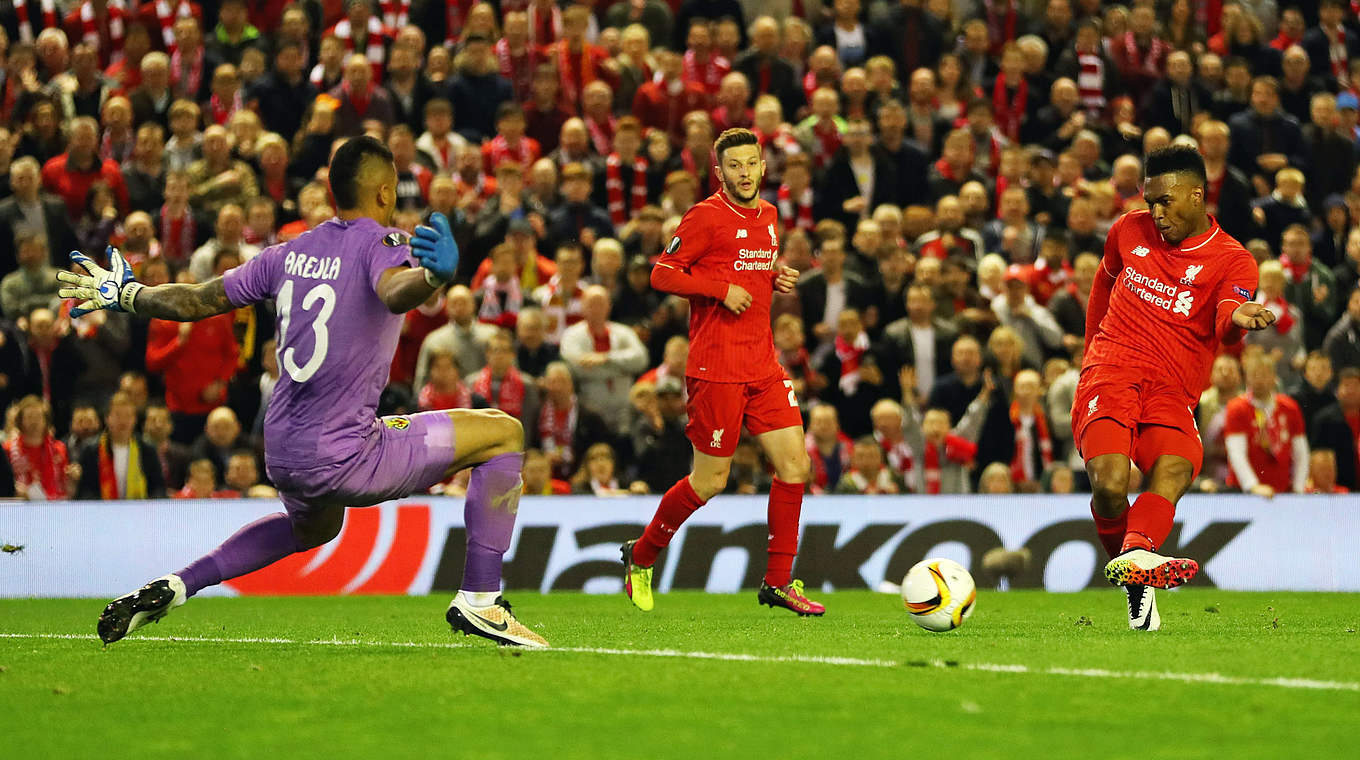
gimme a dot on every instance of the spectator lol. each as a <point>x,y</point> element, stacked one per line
<point>222,435</point>
<point>85,428</point>
<point>855,379</point>
<point>537,476</point>
<point>1284,342</point>
<point>359,98</point>
<point>767,72</point>
<point>995,480</point>
<point>42,470</point>
<point>577,219</point>
<point>243,476</point>
<point>1337,426</point>
<point>500,385</point>
<point>564,427</point>
<point>597,474</point>
<point>920,341</point>
<point>794,357</point>
<point>1312,288</point>
<point>828,448</point>
<point>1264,138</point>
<point>277,95</point>
<point>477,89</point>
<point>29,209</point>
<point>217,179</point>
<point>1225,384</point>
<point>197,360</point>
<point>54,363</point>
<point>70,174</point>
<point>202,483</point>
<point>1283,208</point>
<point>867,474</point>
<point>607,356</point>
<point>34,284</point>
<point>1264,433</point>
<point>500,296</point>
<point>121,464</point>
<point>445,389</point>
<point>533,352</point>
<point>1322,473</point>
<point>1343,339</point>
<point>463,337</point>
<point>173,456</point>
<point>1035,325</point>
<point>1033,442</point>
<point>230,239</point>
<point>660,447</point>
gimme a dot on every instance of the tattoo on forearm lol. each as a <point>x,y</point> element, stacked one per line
<point>184,303</point>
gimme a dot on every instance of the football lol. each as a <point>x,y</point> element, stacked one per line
<point>938,594</point>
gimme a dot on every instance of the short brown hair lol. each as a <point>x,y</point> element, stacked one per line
<point>732,138</point>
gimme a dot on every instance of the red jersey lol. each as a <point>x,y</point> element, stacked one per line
<point>720,243</point>
<point>1270,438</point>
<point>1163,313</point>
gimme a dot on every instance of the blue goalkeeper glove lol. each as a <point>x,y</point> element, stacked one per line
<point>436,250</point>
<point>112,288</point>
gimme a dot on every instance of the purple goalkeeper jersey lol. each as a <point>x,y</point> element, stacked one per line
<point>335,336</point>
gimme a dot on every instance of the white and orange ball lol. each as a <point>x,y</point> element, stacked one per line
<point>938,594</point>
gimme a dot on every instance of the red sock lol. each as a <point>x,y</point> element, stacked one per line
<point>786,505</point>
<point>675,508</point>
<point>1150,520</point>
<point>1111,530</point>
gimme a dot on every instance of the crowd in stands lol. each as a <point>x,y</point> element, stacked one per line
<point>945,172</point>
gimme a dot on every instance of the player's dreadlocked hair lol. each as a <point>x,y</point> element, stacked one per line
<point>1175,159</point>
<point>731,138</point>
<point>346,164</point>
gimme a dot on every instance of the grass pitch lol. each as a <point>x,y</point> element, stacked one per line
<point>1031,675</point>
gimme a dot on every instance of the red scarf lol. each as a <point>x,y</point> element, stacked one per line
<point>850,356</point>
<point>221,112</point>
<point>544,30</point>
<point>799,211</point>
<point>373,42</point>
<point>186,85</point>
<point>563,309</point>
<point>518,69</point>
<point>1149,61</point>
<point>49,18</point>
<point>899,455</point>
<point>360,101</point>
<point>523,154</point>
<point>575,74</point>
<point>166,16</point>
<point>1001,23</point>
<point>613,184</point>
<point>395,12</point>
<point>118,152</point>
<point>1022,462</point>
<point>458,398</point>
<point>501,301</point>
<point>1284,321</point>
<point>820,477</point>
<point>509,399</point>
<point>602,340</point>
<point>113,17</point>
<point>456,16</point>
<point>827,140</point>
<point>1009,112</point>
<point>709,73</point>
<point>1091,83</point>
<point>1340,58</point>
<point>556,428</point>
<point>957,449</point>
<point>601,133</point>
<point>177,248</point>
<point>44,464</point>
<point>135,481</point>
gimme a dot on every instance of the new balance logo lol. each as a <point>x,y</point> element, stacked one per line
<point>716,443</point>
<point>1091,406</point>
<point>1190,272</point>
<point>741,234</point>
<point>1184,302</point>
<point>1140,251</point>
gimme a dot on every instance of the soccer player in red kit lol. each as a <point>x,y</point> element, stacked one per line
<point>722,259</point>
<point>1172,286</point>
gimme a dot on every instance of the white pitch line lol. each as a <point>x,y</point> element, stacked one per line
<point>1014,669</point>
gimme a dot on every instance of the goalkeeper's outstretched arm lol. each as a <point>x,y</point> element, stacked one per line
<point>182,302</point>
<point>114,289</point>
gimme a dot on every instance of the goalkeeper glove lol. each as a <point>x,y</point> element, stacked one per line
<point>112,288</point>
<point>436,250</point>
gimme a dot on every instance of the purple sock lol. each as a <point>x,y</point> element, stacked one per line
<point>489,513</point>
<point>263,542</point>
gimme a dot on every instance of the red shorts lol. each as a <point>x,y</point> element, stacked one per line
<point>717,411</point>
<point>1127,412</point>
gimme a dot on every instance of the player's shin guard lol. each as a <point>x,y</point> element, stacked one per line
<point>676,506</point>
<point>786,506</point>
<point>1111,530</point>
<point>1150,520</point>
<point>263,542</point>
<point>489,512</point>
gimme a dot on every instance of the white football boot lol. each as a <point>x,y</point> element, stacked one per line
<point>493,622</point>
<point>147,604</point>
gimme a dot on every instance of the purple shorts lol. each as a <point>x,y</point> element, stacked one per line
<point>402,455</point>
